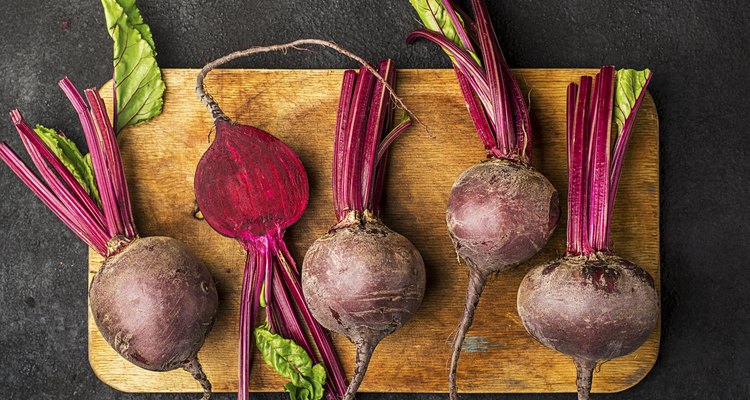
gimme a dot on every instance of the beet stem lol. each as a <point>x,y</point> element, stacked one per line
<point>584,374</point>
<point>214,108</point>
<point>194,367</point>
<point>92,229</point>
<point>339,141</point>
<point>81,197</point>
<point>322,340</point>
<point>477,114</point>
<point>252,283</point>
<point>114,161</point>
<point>477,281</point>
<point>364,352</point>
<point>98,159</point>
<point>45,194</point>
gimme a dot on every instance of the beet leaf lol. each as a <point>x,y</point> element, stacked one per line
<point>138,85</point>
<point>68,154</point>
<point>291,361</point>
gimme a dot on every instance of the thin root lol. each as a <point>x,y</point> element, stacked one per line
<point>216,112</point>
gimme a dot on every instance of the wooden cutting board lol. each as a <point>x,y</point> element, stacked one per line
<point>299,106</point>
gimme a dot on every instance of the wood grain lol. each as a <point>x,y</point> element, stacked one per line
<point>299,107</point>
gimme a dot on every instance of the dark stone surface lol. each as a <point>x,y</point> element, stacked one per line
<point>698,49</point>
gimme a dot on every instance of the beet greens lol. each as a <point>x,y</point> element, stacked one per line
<point>612,303</point>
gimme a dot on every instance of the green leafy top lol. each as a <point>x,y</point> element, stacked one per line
<point>136,21</point>
<point>629,84</point>
<point>436,18</point>
<point>72,158</point>
<point>291,361</point>
<point>139,87</point>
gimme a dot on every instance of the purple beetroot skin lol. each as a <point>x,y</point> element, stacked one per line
<point>500,213</point>
<point>154,303</point>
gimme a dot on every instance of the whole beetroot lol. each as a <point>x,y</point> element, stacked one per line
<point>501,212</point>
<point>152,299</point>
<point>155,302</point>
<point>591,304</point>
<point>362,279</point>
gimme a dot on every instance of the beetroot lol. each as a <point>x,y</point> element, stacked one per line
<point>501,212</point>
<point>133,314</point>
<point>591,304</point>
<point>250,186</point>
<point>362,279</point>
<point>152,299</point>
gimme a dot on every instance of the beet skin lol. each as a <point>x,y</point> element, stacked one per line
<point>500,213</point>
<point>154,303</point>
<point>592,308</point>
<point>364,281</point>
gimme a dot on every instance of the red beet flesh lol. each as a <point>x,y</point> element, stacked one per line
<point>592,308</point>
<point>154,303</point>
<point>240,180</point>
<point>364,281</point>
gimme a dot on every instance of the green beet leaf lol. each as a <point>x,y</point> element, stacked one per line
<point>136,21</point>
<point>435,17</point>
<point>139,88</point>
<point>291,361</point>
<point>629,84</point>
<point>67,152</point>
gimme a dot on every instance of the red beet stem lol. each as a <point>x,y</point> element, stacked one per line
<point>83,220</point>
<point>577,132</point>
<point>599,159</point>
<point>63,194</point>
<point>98,160</point>
<point>252,285</point>
<point>45,195</point>
<point>492,83</point>
<point>360,142</point>
<point>620,147</point>
<point>594,172</point>
<point>342,122</point>
<point>453,12</point>
<point>322,341</point>
<point>30,137</point>
<point>114,161</point>
<point>292,328</point>
<point>350,186</point>
<point>379,111</point>
<point>492,59</point>
<point>477,114</point>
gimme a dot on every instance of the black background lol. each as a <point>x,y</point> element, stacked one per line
<point>698,50</point>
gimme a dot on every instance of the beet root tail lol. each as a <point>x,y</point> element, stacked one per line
<point>364,352</point>
<point>477,280</point>
<point>584,374</point>
<point>194,367</point>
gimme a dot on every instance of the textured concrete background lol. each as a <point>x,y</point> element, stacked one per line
<point>698,49</point>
